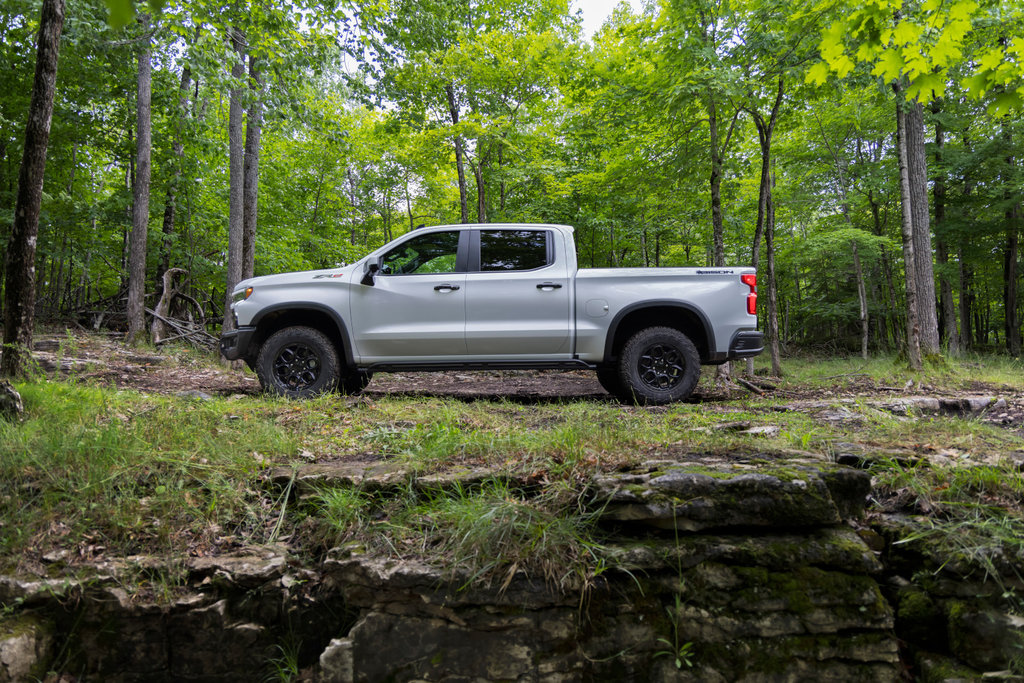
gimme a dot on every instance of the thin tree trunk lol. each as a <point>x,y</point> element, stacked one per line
<point>773,289</point>
<point>453,111</point>
<point>20,287</point>
<point>917,168</point>
<point>764,199</point>
<point>913,331</point>
<point>251,171</point>
<point>946,303</point>
<point>140,190</point>
<point>237,175</point>
<point>862,298</point>
<point>1010,275</point>
<point>481,192</point>
<point>178,149</point>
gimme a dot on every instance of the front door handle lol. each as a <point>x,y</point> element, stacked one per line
<point>549,285</point>
<point>446,288</point>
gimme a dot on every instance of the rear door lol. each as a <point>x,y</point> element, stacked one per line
<point>517,295</point>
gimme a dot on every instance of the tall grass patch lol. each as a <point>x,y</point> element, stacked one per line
<point>128,473</point>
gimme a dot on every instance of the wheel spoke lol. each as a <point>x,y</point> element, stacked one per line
<point>661,367</point>
<point>297,366</point>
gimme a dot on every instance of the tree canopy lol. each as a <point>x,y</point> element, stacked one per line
<point>689,133</point>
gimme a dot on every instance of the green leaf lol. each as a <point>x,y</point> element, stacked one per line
<point>121,12</point>
<point>817,74</point>
<point>1004,103</point>
<point>890,66</point>
<point>906,32</point>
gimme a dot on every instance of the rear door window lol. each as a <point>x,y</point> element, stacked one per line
<point>504,250</point>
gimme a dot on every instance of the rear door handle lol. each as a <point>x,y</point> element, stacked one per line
<point>443,288</point>
<point>549,285</point>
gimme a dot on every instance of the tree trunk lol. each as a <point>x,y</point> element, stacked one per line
<point>764,194</point>
<point>924,271</point>
<point>453,110</point>
<point>773,289</point>
<point>237,174</point>
<point>717,226</point>
<point>913,331</point>
<point>946,303</point>
<point>20,287</point>
<point>1010,275</point>
<point>250,190</point>
<point>862,298</point>
<point>140,193</point>
<point>481,192</point>
<point>178,149</point>
<point>163,306</point>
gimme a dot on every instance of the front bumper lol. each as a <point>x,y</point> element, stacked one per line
<point>746,344</point>
<point>235,344</point>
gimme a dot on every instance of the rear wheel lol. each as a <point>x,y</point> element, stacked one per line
<point>298,362</point>
<point>659,365</point>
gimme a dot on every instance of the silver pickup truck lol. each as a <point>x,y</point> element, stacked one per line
<point>494,296</point>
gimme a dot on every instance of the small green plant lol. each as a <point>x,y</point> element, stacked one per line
<point>681,652</point>
<point>284,666</point>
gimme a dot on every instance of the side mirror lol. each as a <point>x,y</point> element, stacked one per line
<point>371,270</point>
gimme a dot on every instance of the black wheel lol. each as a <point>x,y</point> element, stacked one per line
<point>659,365</point>
<point>353,383</point>
<point>297,362</point>
<point>609,379</point>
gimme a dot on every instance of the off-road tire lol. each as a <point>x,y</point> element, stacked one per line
<point>298,362</point>
<point>658,365</point>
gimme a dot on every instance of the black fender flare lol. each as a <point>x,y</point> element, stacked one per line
<point>613,327</point>
<point>297,306</point>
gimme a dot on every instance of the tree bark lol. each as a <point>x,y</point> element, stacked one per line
<point>946,303</point>
<point>140,195</point>
<point>765,130</point>
<point>20,286</point>
<point>913,330</point>
<point>250,190</point>
<point>924,271</point>
<point>178,150</point>
<point>862,299</point>
<point>237,174</point>
<point>163,306</point>
<point>1010,276</point>
<point>773,289</point>
<point>453,111</point>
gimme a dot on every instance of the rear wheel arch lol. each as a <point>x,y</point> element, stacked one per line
<point>686,319</point>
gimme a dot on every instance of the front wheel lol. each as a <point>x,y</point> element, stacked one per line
<point>659,365</point>
<point>298,362</point>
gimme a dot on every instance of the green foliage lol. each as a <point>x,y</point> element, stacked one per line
<point>608,133</point>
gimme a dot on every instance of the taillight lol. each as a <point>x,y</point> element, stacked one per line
<point>750,280</point>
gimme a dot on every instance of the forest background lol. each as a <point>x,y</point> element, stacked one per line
<point>836,146</point>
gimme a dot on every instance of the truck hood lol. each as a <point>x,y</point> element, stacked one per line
<point>299,277</point>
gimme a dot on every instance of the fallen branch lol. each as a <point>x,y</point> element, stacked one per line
<point>749,386</point>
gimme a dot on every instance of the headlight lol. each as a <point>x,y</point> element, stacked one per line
<point>241,295</point>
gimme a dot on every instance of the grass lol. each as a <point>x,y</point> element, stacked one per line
<point>93,470</point>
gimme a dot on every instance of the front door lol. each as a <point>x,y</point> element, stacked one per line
<point>416,308</point>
